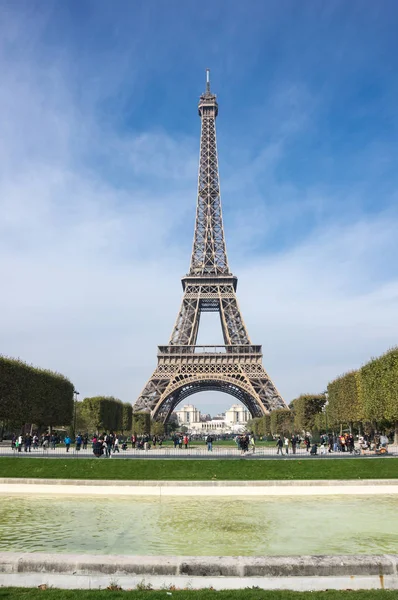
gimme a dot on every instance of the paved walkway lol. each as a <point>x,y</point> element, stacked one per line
<point>82,487</point>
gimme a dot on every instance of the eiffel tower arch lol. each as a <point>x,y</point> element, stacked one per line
<point>185,368</point>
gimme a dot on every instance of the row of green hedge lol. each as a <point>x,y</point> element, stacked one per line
<point>278,422</point>
<point>106,413</point>
<point>32,395</point>
<point>103,413</point>
<point>369,394</point>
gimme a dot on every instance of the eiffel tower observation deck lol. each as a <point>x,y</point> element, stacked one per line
<point>185,368</point>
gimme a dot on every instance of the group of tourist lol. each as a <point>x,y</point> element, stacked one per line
<point>328,442</point>
<point>246,442</point>
<point>180,439</point>
<point>30,442</point>
<point>285,443</point>
<point>144,442</point>
<point>110,443</point>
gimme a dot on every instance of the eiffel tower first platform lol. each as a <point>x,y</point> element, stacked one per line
<point>183,367</point>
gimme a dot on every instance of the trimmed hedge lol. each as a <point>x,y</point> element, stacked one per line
<point>306,408</point>
<point>32,395</point>
<point>281,421</point>
<point>141,423</point>
<point>260,425</point>
<point>379,387</point>
<point>127,417</point>
<point>345,399</point>
<point>103,413</point>
<point>367,395</point>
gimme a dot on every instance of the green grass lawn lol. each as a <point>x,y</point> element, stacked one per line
<point>247,594</point>
<point>194,470</point>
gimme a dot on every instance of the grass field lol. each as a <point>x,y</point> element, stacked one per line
<point>247,594</point>
<point>199,470</point>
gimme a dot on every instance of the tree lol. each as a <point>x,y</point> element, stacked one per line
<point>345,403</point>
<point>127,420</point>
<point>261,426</point>
<point>157,428</point>
<point>83,423</point>
<point>379,387</point>
<point>32,395</point>
<point>281,421</point>
<point>305,409</point>
<point>141,423</point>
<point>104,413</point>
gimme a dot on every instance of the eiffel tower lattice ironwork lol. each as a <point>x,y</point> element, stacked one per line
<point>183,367</point>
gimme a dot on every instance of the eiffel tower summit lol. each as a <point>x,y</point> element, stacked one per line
<point>185,368</point>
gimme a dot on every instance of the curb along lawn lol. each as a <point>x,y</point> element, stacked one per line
<point>247,594</point>
<point>199,470</point>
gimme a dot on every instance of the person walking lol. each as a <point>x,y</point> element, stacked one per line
<point>186,441</point>
<point>279,444</point>
<point>209,441</point>
<point>116,445</point>
<point>108,444</point>
<point>67,443</point>
<point>252,443</point>
<point>287,445</point>
<point>28,442</point>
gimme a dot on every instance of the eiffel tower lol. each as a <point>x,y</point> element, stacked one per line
<point>183,367</point>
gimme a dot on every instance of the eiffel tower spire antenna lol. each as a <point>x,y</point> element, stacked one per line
<point>183,367</point>
<point>208,81</point>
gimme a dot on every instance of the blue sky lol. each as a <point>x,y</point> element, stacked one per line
<point>99,140</point>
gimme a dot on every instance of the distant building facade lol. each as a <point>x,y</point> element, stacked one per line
<point>233,420</point>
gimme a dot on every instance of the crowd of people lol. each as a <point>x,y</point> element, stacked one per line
<point>180,439</point>
<point>111,443</point>
<point>246,442</point>
<point>33,441</point>
<point>286,443</point>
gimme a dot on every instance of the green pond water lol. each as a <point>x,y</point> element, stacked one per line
<point>200,526</point>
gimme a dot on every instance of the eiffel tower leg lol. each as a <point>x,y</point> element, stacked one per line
<point>152,392</point>
<point>186,327</point>
<point>233,326</point>
<point>263,386</point>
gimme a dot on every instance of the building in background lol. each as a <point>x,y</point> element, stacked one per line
<point>233,420</point>
<point>187,415</point>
